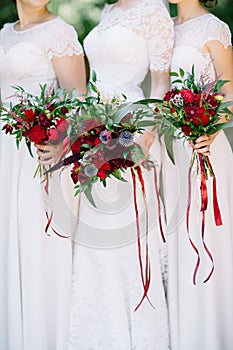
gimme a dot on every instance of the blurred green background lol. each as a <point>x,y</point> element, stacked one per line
<point>85,14</point>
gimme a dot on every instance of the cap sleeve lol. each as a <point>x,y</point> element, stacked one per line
<point>159,35</point>
<point>218,30</point>
<point>63,40</point>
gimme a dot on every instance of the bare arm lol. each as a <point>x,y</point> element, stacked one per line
<point>223,63</point>
<point>70,71</point>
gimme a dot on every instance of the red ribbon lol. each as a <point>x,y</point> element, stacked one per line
<point>145,276</point>
<point>217,213</point>
<point>204,205</point>
<point>159,204</point>
<point>187,223</point>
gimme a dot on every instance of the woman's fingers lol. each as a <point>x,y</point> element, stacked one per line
<point>48,154</point>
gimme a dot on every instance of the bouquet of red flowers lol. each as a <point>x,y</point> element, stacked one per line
<point>102,132</point>
<point>38,119</point>
<point>188,112</point>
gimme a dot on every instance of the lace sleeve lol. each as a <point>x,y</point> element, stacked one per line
<point>218,30</point>
<point>159,35</point>
<point>62,41</point>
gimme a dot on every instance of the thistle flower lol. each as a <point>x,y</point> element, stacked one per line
<point>126,138</point>
<point>105,136</point>
<point>90,170</point>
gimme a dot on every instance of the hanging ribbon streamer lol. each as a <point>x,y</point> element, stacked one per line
<point>159,203</point>
<point>204,167</point>
<point>145,276</point>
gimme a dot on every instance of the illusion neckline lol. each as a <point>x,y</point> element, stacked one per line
<point>33,27</point>
<point>193,19</point>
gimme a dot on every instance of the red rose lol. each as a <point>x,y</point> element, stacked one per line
<point>37,134</point>
<point>205,119</point>
<point>30,115</point>
<point>196,121</point>
<point>76,146</point>
<point>102,174</point>
<point>186,130</point>
<point>187,95</point>
<point>97,141</point>
<point>54,135</point>
<point>62,125</point>
<point>172,110</point>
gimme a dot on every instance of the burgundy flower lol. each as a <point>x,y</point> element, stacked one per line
<point>76,146</point>
<point>210,99</point>
<point>191,111</point>
<point>75,172</point>
<point>8,128</point>
<point>44,120</point>
<point>186,130</point>
<point>38,134</point>
<point>187,95</point>
<point>169,95</point>
<point>30,115</point>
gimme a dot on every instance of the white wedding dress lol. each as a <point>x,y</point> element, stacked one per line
<point>107,285</point>
<point>201,315</point>
<point>35,269</point>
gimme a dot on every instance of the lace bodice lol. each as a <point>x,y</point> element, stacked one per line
<point>128,43</point>
<point>25,56</point>
<point>190,39</point>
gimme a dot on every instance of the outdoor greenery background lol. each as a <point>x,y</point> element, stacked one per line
<point>85,14</point>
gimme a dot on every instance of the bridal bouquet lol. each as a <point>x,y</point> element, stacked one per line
<point>102,133</point>
<point>38,119</point>
<point>186,113</point>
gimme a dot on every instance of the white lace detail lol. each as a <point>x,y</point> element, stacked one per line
<point>66,42</point>
<point>218,30</point>
<point>56,37</point>
<point>190,40</point>
<point>150,20</point>
<point>200,30</point>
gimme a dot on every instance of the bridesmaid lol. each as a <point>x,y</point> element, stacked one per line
<point>35,269</point>
<point>201,316</point>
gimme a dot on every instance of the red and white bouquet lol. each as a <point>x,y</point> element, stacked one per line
<point>193,110</point>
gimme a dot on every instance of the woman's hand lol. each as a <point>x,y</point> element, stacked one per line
<point>202,145</point>
<point>49,154</point>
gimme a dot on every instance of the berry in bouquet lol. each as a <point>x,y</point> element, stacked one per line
<point>189,110</point>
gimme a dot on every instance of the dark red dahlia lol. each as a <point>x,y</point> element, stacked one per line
<point>30,115</point>
<point>38,134</point>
